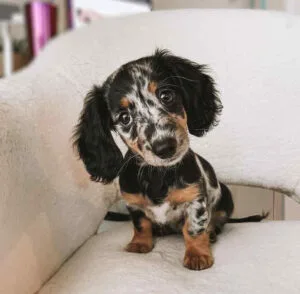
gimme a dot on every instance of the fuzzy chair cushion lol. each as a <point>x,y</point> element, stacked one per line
<point>249,258</point>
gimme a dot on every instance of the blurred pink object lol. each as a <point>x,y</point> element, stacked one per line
<point>41,21</point>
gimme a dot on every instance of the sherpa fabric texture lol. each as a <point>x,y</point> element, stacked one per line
<point>48,207</point>
<point>249,258</point>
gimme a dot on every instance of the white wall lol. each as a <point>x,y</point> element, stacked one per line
<point>291,209</point>
<point>176,4</point>
<point>293,5</point>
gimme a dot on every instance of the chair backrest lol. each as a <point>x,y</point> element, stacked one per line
<point>48,206</point>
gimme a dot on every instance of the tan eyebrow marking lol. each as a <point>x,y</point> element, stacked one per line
<point>181,120</point>
<point>124,102</point>
<point>152,86</point>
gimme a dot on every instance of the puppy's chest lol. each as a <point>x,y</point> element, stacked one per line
<point>151,195</point>
<point>163,194</point>
<point>165,213</point>
<point>157,191</point>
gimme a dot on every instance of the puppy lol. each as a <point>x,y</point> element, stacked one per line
<point>153,103</point>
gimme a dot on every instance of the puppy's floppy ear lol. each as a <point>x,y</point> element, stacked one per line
<point>200,98</point>
<point>94,141</point>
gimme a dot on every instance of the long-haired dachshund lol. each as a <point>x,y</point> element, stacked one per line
<point>153,103</point>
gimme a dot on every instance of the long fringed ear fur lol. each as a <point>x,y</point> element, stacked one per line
<point>93,139</point>
<point>200,98</point>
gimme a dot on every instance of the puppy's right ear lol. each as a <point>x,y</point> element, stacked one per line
<point>93,139</point>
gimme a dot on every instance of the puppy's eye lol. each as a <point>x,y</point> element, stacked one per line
<point>166,96</point>
<point>124,118</point>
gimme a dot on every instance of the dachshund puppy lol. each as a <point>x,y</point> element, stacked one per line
<point>153,103</point>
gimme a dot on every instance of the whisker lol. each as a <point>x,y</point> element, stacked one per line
<point>169,77</point>
<point>126,163</point>
<point>164,85</point>
<point>140,172</point>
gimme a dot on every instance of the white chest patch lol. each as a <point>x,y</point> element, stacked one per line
<point>165,213</point>
<point>159,213</point>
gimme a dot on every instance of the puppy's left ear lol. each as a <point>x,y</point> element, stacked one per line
<point>200,99</point>
<point>93,139</point>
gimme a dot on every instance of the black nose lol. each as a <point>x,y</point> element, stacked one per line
<point>164,148</point>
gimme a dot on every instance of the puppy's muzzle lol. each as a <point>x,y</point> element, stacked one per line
<point>164,148</point>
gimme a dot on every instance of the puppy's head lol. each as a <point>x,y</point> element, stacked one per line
<point>152,103</point>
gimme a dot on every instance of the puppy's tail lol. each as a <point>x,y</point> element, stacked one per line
<point>117,217</point>
<point>123,217</point>
<point>249,219</point>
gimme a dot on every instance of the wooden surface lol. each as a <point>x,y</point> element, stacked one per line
<point>291,209</point>
<point>249,201</point>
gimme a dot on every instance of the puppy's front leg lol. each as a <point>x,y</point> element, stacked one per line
<point>142,241</point>
<point>198,254</point>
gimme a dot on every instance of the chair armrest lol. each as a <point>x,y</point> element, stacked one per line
<point>48,205</point>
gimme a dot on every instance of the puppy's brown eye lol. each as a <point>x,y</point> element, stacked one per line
<point>124,118</point>
<point>166,96</point>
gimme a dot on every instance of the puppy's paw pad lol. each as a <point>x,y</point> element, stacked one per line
<point>197,262</point>
<point>139,247</point>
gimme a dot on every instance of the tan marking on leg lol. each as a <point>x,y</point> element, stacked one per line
<point>124,102</point>
<point>152,86</point>
<point>135,199</point>
<point>198,254</point>
<point>142,241</point>
<point>188,194</point>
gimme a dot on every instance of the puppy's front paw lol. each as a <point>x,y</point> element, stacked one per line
<point>139,247</point>
<point>196,260</point>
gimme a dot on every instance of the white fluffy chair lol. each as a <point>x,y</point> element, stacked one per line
<point>49,208</point>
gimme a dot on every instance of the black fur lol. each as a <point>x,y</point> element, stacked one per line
<point>93,139</point>
<point>209,170</point>
<point>226,202</point>
<point>136,216</point>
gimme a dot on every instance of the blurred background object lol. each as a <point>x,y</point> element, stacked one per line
<point>36,22</point>
<point>6,56</point>
<point>87,11</point>
<point>41,23</point>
